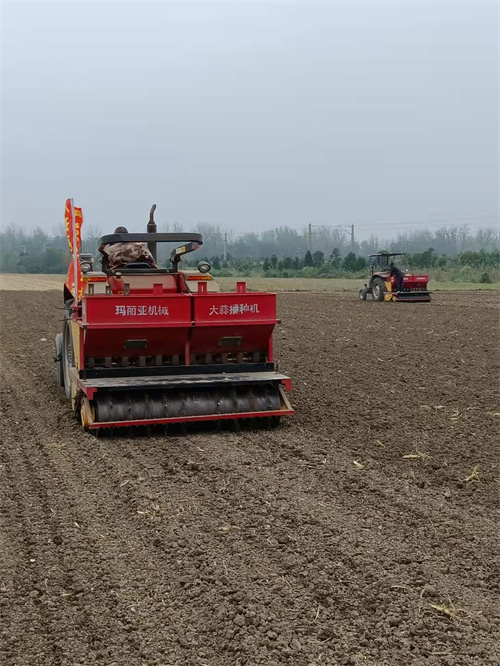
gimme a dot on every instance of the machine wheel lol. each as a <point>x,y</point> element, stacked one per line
<point>362,294</point>
<point>86,413</point>
<point>378,289</point>
<point>274,422</point>
<point>67,358</point>
<point>58,360</point>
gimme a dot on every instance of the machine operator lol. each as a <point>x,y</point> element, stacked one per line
<point>118,255</point>
<point>394,270</point>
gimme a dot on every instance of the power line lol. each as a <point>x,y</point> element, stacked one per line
<point>473,222</point>
<point>477,218</point>
<point>487,220</point>
<point>349,230</point>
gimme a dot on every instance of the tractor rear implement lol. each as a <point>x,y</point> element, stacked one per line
<point>150,346</point>
<point>383,287</point>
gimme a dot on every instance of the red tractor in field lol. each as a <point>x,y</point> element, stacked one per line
<point>146,345</point>
<point>382,286</point>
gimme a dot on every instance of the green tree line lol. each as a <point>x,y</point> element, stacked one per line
<point>279,252</point>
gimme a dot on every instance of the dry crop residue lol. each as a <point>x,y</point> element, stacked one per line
<point>361,532</point>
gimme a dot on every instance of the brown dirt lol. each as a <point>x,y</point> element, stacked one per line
<point>318,543</point>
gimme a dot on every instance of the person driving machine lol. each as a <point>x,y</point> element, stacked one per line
<point>118,255</point>
<point>394,270</point>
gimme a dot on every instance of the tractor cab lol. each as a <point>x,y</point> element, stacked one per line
<point>380,262</point>
<point>382,286</point>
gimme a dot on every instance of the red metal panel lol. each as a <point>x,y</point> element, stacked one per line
<point>213,339</point>
<point>137,310</point>
<point>248,317</point>
<point>412,281</point>
<point>416,281</point>
<point>112,321</point>
<point>160,341</point>
<point>221,308</point>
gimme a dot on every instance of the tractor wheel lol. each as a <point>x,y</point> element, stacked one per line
<point>58,360</point>
<point>378,289</point>
<point>67,357</point>
<point>274,422</point>
<point>362,294</point>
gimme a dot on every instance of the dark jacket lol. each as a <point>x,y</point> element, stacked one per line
<point>394,270</point>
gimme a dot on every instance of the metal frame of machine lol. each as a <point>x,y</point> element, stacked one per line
<point>157,346</point>
<point>382,286</point>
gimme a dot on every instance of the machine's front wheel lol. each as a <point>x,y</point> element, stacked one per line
<point>67,358</point>
<point>274,422</point>
<point>362,294</point>
<point>378,289</point>
<point>58,360</point>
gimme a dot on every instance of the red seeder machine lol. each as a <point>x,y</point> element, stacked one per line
<point>160,345</point>
<point>382,286</point>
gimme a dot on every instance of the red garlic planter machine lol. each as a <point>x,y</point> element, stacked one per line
<point>148,346</point>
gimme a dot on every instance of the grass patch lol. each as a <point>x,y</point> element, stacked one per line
<point>325,285</point>
<point>32,282</point>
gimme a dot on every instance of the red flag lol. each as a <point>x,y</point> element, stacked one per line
<point>74,230</point>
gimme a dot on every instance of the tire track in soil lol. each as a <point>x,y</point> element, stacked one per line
<point>63,544</point>
<point>124,505</point>
<point>213,584</point>
<point>60,470</point>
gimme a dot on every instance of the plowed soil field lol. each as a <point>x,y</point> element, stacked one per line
<point>364,531</point>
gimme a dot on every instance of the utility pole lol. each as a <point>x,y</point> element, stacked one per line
<point>152,229</point>
<point>224,258</point>
<point>352,235</point>
<point>310,236</point>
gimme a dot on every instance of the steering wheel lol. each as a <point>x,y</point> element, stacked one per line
<point>139,265</point>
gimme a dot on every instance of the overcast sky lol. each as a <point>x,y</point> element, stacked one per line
<point>251,114</point>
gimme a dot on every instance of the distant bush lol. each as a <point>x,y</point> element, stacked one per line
<point>465,274</point>
<point>308,272</point>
